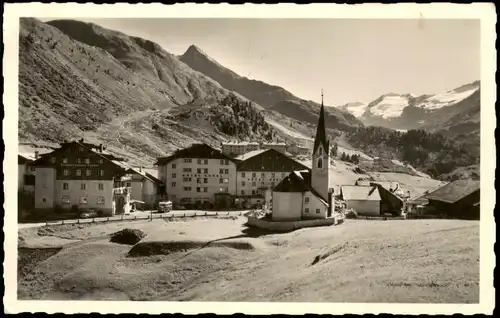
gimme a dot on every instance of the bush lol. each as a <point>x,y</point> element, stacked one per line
<point>127,236</point>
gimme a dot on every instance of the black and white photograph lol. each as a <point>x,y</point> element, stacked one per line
<point>329,158</point>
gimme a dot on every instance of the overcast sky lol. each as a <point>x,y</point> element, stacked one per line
<point>351,59</point>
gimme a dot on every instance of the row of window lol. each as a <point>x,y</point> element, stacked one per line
<point>78,160</point>
<point>200,171</point>
<point>83,186</point>
<point>318,211</point>
<point>224,162</point>
<point>78,173</point>
<point>262,174</point>
<point>254,184</point>
<point>65,199</point>
<point>205,189</point>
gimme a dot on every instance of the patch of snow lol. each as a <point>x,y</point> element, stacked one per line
<point>446,99</point>
<point>356,109</point>
<point>390,106</point>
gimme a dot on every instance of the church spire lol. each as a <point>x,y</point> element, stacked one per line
<point>320,138</point>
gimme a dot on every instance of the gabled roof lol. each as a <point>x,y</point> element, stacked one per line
<point>24,159</point>
<point>321,138</point>
<point>454,191</point>
<point>195,151</point>
<point>270,160</point>
<point>421,200</point>
<point>291,183</point>
<point>299,181</point>
<point>362,193</point>
<point>42,159</point>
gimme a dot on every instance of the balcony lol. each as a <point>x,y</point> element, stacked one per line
<point>122,190</point>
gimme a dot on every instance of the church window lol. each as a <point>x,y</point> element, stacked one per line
<point>320,163</point>
<point>320,151</point>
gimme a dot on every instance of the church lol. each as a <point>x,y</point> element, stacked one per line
<point>305,194</point>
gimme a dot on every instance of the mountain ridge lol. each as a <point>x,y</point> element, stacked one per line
<point>78,79</point>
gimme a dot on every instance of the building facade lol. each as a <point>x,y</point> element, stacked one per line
<point>239,148</point>
<point>146,189</point>
<point>75,177</point>
<point>197,176</point>
<point>278,146</point>
<point>25,174</point>
<point>364,200</point>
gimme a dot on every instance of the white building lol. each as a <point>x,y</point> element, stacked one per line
<point>239,148</point>
<point>198,176</point>
<point>261,170</point>
<point>146,189</point>
<point>365,200</point>
<point>306,194</point>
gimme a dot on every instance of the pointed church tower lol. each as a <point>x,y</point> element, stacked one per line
<point>320,173</point>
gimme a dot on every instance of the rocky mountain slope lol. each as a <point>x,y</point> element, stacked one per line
<point>271,97</point>
<point>81,80</point>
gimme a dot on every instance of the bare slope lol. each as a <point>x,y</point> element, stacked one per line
<point>417,261</point>
<point>269,96</point>
<point>80,80</point>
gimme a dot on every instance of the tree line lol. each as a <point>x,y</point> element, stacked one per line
<point>432,153</point>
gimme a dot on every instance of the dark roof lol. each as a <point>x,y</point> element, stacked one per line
<point>298,181</point>
<point>291,183</point>
<point>21,159</point>
<point>195,151</point>
<point>454,191</point>
<point>421,200</point>
<point>321,138</point>
<point>42,159</point>
<point>270,160</point>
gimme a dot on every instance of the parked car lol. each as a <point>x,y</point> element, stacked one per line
<point>88,214</point>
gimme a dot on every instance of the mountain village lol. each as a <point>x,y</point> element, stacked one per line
<point>173,174</point>
<point>82,179</point>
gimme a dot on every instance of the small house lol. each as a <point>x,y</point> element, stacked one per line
<point>365,200</point>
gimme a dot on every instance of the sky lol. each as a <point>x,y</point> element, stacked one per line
<point>352,60</point>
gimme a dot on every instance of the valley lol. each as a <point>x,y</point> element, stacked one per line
<point>79,80</point>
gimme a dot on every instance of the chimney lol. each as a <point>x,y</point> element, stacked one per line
<point>101,148</point>
<point>140,169</point>
<point>36,154</point>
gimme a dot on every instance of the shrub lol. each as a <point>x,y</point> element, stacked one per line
<point>127,236</point>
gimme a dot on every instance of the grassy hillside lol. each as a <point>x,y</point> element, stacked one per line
<point>80,80</point>
<point>414,261</point>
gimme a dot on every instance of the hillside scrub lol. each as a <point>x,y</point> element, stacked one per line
<point>240,119</point>
<point>430,152</point>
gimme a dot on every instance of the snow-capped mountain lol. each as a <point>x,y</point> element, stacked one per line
<point>408,111</point>
<point>357,108</point>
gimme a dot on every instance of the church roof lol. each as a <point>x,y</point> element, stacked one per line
<point>321,138</point>
<point>299,181</point>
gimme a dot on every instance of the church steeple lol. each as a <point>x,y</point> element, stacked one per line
<point>321,138</point>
